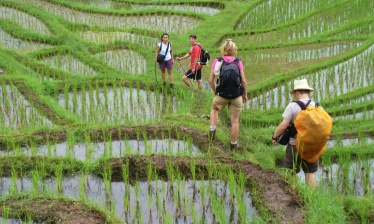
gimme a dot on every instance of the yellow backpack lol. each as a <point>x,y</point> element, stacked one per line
<point>313,127</point>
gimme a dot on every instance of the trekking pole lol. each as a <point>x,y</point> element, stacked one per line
<point>184,72</point>
<point>155,74</point>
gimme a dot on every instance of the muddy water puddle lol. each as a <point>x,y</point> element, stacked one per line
<point>350,178</point>
<point>152,201</point>
<point>94,151</point>
<point>120,105</point>
<point>337,80</point>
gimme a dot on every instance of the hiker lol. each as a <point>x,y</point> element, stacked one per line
<point>292,159</point>
<point>233,96</point>
<point>164,48</point>
<point>194,71</point>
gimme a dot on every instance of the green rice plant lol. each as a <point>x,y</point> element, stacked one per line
<point>5,212</point>
<point>193,170</point>
<point>58,176</point>
<point>217,209</point>
<point>14,178</point>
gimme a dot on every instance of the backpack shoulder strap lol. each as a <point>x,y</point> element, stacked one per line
<point>301,104</point>
<point>167,47</point>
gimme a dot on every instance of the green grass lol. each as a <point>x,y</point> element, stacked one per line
<point>257,30</point>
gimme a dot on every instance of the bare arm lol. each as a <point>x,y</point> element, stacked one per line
<point>243,81</point>
<point>157,52</point>
<point>211,81</point>
<point>183,57</point>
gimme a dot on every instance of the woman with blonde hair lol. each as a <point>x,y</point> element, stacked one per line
<point>230,90</point>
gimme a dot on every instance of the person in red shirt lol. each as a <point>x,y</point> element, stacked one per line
<point>194,71</point>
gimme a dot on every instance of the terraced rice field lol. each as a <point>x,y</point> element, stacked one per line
<point>88,133</point>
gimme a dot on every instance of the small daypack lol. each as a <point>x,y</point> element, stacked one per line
<point>161,57</point>
<point>204,56</point>
<point>313,126</point>
<point>229,82</point>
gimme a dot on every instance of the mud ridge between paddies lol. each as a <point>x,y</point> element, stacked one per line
<point>272,191</point>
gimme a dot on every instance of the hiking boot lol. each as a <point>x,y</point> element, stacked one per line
<point>234,146</point>
<point>171,86</point>
<point>211,135</point>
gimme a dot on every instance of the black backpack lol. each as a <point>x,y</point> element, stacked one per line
<point>204,56</point>
<point>229,81</point>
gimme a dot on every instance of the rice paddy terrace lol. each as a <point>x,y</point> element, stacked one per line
<point>88,133</point>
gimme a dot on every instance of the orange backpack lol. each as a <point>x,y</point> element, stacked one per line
<point>313,127</point>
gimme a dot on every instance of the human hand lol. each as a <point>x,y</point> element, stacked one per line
<point>245,98</point>
<point>275,142</point>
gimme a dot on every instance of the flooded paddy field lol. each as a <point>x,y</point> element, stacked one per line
<point>90,133</point>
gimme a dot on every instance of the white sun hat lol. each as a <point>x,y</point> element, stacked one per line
<point>301,85</point>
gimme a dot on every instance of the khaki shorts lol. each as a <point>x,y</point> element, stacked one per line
<point>235,105</point>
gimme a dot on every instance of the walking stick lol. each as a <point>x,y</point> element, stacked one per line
<point>184,71</point>
<point>155,74</point>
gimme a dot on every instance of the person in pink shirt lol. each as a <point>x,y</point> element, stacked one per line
<point>235,101</point>
<point>194,71</point>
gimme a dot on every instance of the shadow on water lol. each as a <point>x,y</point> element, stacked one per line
<point>152,201</point>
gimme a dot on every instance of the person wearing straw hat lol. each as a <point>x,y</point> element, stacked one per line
<point>292,160</point>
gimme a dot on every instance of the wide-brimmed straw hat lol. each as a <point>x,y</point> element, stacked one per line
<point>301,85</point>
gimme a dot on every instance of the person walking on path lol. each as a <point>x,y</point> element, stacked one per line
<point>194,71</point>
<point>162,47</point>
<point>292,160</point>
<point>235,101</point>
